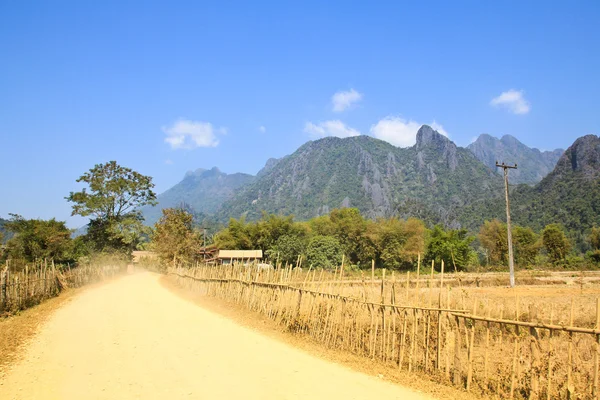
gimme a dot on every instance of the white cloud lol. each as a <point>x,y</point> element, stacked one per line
<point>343,100</point>
<point>401,132</point>
<point>168,161</point>
<point>262,129</point>
<point>512,100</point>
<point>329,128</point>
<point>187,134</point>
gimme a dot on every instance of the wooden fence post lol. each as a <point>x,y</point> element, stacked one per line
<point>597,353</point>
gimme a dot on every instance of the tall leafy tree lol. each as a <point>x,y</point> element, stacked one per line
<point>527,245</point>
<point>493,238</point>
<point>400,242</point>
<point>112,200</point>
<point>174,238</point>
<point>555,242</point>
<point>452,246</point>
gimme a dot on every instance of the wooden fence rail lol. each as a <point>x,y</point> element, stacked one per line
<point>508,358</point>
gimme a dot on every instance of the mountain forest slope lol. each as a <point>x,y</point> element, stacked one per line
<point>432,180</point>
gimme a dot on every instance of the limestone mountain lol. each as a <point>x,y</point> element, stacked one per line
<point>432,180</point>
<point>533,164</point>
<point>201,191</point>
<point>569,195</point>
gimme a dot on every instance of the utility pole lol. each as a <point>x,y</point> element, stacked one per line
<point>511,263</point>
<point>204,241</point>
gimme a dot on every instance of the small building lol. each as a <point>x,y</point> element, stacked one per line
<point>227,257</point>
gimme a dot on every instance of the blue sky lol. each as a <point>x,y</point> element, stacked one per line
<point>167,87</point>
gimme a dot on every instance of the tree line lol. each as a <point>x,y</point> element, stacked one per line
<point>114,194</point>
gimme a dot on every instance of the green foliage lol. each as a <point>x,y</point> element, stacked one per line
<point>113,200</point>
<point>594,238</point>
<point>36,239</point>
<point>399,242</point>
<point>237,236</point>
<point>526,244</point>
<point>451,246</point>
<point>324,252</point>
<point>287,249</point>
<point>555,243</point>
<point>493,238</point>
<point>174,238</point>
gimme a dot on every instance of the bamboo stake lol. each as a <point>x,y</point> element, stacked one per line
<point>442,276</point>
<point>438,355</point>
<point>595,391</point>
<point>570,387</point>
<point>471,350</point>
<point>431,285</point>
<point>513,380</point>
<point>487,347</point>
<point>407,286</point>
<point>416,301</point>
<point>403,341</point>
<point>372,274</point>
<point>413,340</point>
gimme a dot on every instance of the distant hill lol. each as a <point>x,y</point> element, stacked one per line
<point>202,191</point>
<point>432,180</point>
<point>533,164</point>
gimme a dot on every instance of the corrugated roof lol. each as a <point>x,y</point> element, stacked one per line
<point>240,254</point>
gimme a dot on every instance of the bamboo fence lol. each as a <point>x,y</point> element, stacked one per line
<point>417,329</point>
<point>32,285</point>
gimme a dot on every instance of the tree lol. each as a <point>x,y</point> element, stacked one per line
<point>493,238</point>
<point>287,249</point>
<point>594,238</point>
<point>37,239</point>
<point>527,245</point>
<point>112,200</point>
<point>174,238</point>
<point>349,229</point>
<point>324,252</point>
<point>555,242</point>
<point>400,242</point>
<point>452,246</point>
<point>235,236</point>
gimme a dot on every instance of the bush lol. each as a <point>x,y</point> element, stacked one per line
<point>324,252</point>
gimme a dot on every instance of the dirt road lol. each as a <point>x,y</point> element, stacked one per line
<point>133,339</point>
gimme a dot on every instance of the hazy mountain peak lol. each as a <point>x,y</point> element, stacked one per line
<point>533,164</point>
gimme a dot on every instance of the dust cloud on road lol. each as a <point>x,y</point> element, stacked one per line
<point>133,339</point>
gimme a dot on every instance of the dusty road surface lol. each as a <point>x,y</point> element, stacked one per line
<point>133,339</point>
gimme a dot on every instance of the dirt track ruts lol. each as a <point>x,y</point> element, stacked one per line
<point>133,339</point>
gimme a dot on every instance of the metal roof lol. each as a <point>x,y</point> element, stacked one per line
<point>240,254</point>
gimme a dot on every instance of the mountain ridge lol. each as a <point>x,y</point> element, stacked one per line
<point>534,164</point>
<point>381,180</point>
